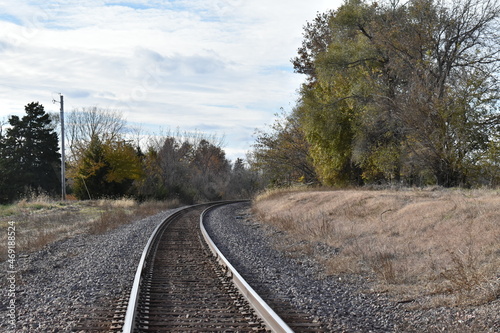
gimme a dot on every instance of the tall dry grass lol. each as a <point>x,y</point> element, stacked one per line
<point>40,221</point>
<point>443,246</point>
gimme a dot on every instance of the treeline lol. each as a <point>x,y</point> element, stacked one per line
<point>104,162</point>
<point>396,93</point>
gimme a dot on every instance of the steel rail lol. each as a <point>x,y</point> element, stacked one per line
<point>128,326</point>
<point>271,319</point>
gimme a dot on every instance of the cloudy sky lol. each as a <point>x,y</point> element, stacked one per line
<point>217,66</point>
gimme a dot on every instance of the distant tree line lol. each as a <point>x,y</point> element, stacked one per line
<point>103,162</point>
<point>396,93</point>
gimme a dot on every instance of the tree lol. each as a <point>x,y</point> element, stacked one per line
<point>87,123</point>
<point>332,108</point>
<point>403,90</point>
<point>168,170</point>
<point>211,171</point>
<point>151,185</point>
<point>101,162</point>
<point>317,37</point>
<point>489,165</point>
<point>174,158</point>
<point>282,154</point>
<point>244,181</point>
<point>29,157</point>
<point>11,187</point>
<point>449,60</point>
<point>191,168</point>
<point>105,169</point>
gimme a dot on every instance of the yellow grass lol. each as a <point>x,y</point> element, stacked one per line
<point>439,246</point>
<point>41,221</point>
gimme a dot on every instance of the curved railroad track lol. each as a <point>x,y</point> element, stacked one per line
<point>184,284</point>
<point>179,288</point>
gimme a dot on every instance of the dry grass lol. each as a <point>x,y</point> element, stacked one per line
<point>41,221</point>
<point>443,246</point>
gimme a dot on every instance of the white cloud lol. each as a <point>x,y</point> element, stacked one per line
<point>206,64</point>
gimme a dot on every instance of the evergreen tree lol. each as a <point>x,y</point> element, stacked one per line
<point>29,157</point>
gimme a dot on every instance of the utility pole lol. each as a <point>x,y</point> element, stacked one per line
<point>63,158</point>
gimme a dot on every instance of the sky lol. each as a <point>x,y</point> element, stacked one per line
<point>219,67</point>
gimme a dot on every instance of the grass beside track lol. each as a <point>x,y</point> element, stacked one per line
<point>41,221</point>
<point>441,247</point>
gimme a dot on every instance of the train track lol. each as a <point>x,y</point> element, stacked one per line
<point>184,284</point>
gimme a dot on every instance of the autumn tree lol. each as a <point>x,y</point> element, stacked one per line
<point>330,110</point>
<point>174,158</point>
<point>29,157</point>
<point>102,162</point>
<point>211,171</point>
<point>244,181</point>
<point>447,60</point>
<point>87,123</point>
<point>402,91</point>
<point>317,37</point>
<point>282,152</point>
<point>191,168</point>
<point>168,170</point>
<point>105,170</point>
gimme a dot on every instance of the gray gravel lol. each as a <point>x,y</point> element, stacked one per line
<point>343,303</point>
<point>72,277</point>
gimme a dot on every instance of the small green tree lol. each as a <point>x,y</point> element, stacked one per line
<point>105,170</point>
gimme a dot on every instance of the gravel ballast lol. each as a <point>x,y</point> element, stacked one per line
<point>342,303</point>
<point>72,277</point>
